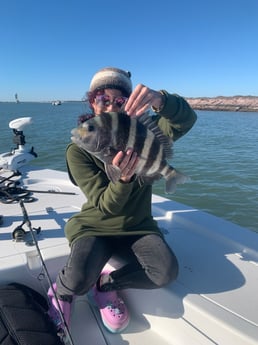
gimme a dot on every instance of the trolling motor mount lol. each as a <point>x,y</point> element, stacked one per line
<point>21,155</point>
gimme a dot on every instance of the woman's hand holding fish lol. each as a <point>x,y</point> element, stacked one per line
<point>127,163</point>
<point>141,99</point>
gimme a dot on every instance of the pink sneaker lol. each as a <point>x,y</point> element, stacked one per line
<point>54,312</point>
<point>113,311</point>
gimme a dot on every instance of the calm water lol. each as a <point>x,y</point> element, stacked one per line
<point>219,154</point>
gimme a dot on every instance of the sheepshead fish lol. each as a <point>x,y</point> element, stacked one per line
<point>105,135</point>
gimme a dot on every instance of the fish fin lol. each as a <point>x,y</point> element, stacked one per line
<point>113,172</point>
<point>174,178</point>
<point>166,141</point>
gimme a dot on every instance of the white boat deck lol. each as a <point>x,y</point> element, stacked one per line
<point>213,301</point>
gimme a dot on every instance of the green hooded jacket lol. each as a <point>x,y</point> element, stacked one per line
<point>122,208</point>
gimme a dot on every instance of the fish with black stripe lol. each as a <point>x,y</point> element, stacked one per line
<point>105,135</point>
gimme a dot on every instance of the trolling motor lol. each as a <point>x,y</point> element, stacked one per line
<point>21,155</point>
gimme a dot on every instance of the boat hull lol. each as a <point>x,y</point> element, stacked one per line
<point>213,301</point>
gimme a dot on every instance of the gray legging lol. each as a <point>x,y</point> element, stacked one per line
<point>150,264</point>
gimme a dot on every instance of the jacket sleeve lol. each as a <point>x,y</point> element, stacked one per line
<point>177,117</point>
<point>88,173</point>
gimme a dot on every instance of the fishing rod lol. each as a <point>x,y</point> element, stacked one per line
<point>46,191</point>
<point>27,221</point>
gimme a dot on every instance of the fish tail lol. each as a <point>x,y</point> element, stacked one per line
<point>173,178</point>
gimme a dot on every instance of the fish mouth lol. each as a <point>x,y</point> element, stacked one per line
<point>76,135</point>
<point>75,140</point>
<point>74,132</point>
<point>79,132</point>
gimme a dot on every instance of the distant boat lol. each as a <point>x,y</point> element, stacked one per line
<point>56,102</point>
<point>16,98</point>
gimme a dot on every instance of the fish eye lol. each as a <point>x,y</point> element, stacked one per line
<point>91,128</point>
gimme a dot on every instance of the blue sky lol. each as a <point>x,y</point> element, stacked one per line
<point>50,49</point>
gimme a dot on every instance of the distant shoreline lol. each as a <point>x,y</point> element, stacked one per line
<point>219,103</point>
<point>222,103</point>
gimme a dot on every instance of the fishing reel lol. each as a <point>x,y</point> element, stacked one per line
<point>20,235</point>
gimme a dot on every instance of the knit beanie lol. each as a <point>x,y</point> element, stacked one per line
<point>112,78</point>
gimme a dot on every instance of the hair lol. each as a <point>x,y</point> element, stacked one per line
<point>89,99</point>
<point>84,117</point>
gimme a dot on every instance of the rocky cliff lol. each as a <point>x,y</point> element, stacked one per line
<point>234,103</point>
